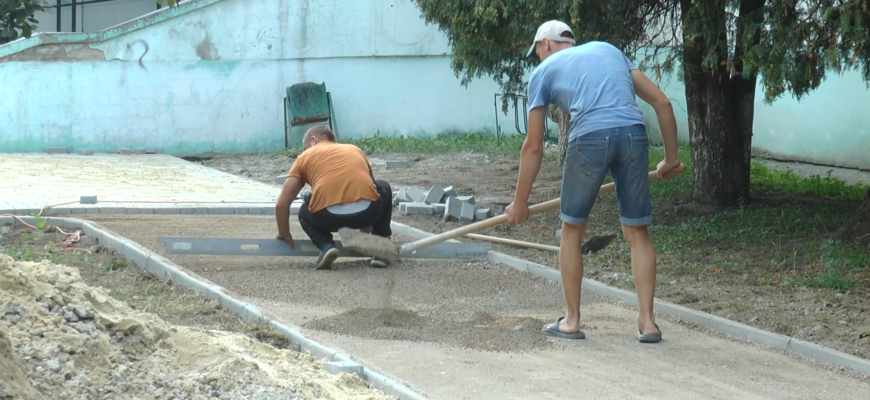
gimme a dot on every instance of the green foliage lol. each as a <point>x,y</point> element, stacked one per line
<point>768,180</point>
<point>790,43</point>
<point>492,38</point>
<point>16,18</point>
<point>170,3</point>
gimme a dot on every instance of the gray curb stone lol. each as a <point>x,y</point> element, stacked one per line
<point>109,208</point>
<point>169,271</point>
<point>733,328</point>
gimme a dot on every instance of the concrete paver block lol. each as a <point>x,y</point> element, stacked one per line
<point>221,210</point>
<point>125,151</point>
<point>86,152</point>
<point>57,150</point>
<point>159,151</point>
<point>113,210</point>
<point>438,208</point>
<point>452,209</point>
<point>434,195</point>
<point>138,151</point>
<point>419,209</point>
<point>266,210</point>
<point>448,193</point>
<point>349,367</point>
<point>466,213</point>
<point>415,194</point>
<point>73,209</point>
<point>481,214</point>
<point>91,209</point>
<point>402,196</point>
<point>396,164</point>
<point>88,200</point>
<point>59,210</point>
<point>466,199</point>
<point>280,179</point>
<point>150,151</point>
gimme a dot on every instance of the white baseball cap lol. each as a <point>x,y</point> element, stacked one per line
<point>552,30</point>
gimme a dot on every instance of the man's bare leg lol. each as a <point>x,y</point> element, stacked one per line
<point>571,268</point>
<point>643,269</point>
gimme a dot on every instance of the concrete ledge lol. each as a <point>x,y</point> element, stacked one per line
<point>109,208</point>
<point>167,270</point>
<point>733,328</point>
<point>152,18</point>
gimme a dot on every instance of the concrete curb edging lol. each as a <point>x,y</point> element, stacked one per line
<point>105,209</point>
<point>169,271</point>
<point>733,328</point>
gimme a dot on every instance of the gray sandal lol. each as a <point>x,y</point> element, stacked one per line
<point>650,338</point>
<point>552,329</point>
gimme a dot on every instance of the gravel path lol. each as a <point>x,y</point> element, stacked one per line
<point>469,330</point>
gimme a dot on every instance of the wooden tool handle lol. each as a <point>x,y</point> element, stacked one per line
<point>512,242</point>
<point>501,219</point>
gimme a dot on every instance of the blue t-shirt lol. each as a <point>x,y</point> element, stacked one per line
<point>592,82</point>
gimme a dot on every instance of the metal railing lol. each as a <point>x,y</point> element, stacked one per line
<point>74,6</point>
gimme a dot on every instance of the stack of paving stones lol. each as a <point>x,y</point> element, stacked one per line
<point>440,202</point>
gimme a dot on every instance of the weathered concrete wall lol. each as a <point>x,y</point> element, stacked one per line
<point>210,75</point>
<point>213,78</point>
<point>92,17</point>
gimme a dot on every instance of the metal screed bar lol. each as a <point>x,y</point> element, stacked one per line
<point>304,248</point>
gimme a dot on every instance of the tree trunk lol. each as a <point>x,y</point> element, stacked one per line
<point>720,103</point>
<point>563,120</point>
<point>857,228</point>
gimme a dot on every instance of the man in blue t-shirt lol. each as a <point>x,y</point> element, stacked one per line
<point>596,84</point>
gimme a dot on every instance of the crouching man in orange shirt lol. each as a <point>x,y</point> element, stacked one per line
<point>344,193</point>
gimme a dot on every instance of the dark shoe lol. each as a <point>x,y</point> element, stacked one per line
<point>552,329</point>
<point>378,262</point>
<point>651,338</point>
<point>326,258</point>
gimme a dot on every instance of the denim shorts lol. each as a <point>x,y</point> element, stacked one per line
<point>624,152</point>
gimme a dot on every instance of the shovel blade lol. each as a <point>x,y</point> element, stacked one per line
<point>594,244</point>
<point>368,244</point>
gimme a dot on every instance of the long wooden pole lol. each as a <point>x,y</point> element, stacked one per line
<point>512,242</point>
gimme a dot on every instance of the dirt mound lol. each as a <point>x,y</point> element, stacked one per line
<point>479,331</point>
<point>65,340</point>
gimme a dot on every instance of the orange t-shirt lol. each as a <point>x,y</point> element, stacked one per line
<point>338,173</point>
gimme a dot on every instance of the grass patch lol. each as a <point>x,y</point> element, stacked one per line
<point>442,143</point>
<point>763,180</point>
<point>765,239</point>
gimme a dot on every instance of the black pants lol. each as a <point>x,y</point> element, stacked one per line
<point>319,226</point>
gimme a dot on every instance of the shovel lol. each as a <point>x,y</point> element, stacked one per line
<point>385,248</point>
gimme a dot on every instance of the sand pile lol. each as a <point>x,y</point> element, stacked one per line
<point>62,339</point>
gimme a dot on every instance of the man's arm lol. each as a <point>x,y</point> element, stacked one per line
<point>531,155</point>
<point>292,187</point>
<point>650,93</point>
<point>533,146</point>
